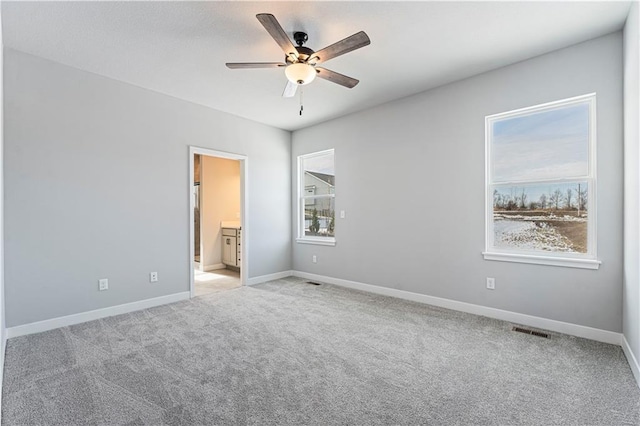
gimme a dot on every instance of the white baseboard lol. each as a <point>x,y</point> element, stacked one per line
<point>50,324</point>
<point>514,317</point>
<point>633,361</point>
<point>269,277</point>
<point>208,268</point>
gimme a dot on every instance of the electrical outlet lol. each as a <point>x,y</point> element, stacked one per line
<point>491,283</point>
<point>342,214</point>
<point>153,277</point>
<point>103,284</point>
<point>314,259</point>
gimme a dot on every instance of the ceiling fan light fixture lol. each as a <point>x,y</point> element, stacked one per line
<point>300,73</point>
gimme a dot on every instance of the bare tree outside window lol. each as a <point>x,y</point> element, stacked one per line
<point>555,198</point>
<point>541,180</point>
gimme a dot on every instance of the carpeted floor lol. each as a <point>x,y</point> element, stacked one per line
<point>287,352</point>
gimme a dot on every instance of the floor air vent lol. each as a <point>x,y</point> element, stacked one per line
<point>532,332</point>
<point>311,282</point>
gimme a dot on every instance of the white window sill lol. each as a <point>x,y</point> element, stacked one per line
<point>317,241</point>
<point>567,262</point>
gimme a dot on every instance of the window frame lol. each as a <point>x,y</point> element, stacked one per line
<point>302,197</point>
<point>588,260</point>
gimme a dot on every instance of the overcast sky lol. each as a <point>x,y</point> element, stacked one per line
<point>321,164</point>
<point>544,145</point>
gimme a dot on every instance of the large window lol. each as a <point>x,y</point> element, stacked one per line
<point>316,189</point>
<point>541,184</point>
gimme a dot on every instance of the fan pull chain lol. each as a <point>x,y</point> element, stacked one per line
<point>301,106</point>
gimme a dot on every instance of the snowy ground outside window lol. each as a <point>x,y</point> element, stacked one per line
<point>551,233</point>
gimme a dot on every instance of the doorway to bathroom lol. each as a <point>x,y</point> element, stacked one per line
<point>218,233</point>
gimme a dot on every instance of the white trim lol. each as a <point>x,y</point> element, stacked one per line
<point>269,277</point>
<point>192,231</point>
<point>50,324</point>
<point>300,197</point>
<point>514,317</point>
<point>587,260</point>
<point>543,260</point>
<point>318,153</point>
<point>244,210</point>
<point>214,267</point>
<point>633,361</point>
<point>327,241</point>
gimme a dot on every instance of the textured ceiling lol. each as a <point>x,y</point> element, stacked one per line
<point>180,48</point>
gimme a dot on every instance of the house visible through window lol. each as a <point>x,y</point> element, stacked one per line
<point>541,184</point>
<point>316,212</point>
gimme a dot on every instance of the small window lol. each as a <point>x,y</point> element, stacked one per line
<point>541,184</point>
<point>316,212</point>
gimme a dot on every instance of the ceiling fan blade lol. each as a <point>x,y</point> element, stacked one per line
<point>346,45</point>
<point>238,65</point>
<point>337,78</point>
<point>289,90</point>
<point>273,27</point>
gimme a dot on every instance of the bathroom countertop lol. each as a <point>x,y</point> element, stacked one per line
<point>230,224</point>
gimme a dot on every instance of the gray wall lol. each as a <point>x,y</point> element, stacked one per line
<point>3,335</point>
<point>410,176</point>
<point>96,186</point>
<point>631,305</point>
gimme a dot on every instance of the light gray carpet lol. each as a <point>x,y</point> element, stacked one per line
<point>287,352</point>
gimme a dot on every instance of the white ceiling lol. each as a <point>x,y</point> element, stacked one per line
<point>180,48</point>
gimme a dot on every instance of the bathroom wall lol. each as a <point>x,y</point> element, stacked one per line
<point>219,201</point>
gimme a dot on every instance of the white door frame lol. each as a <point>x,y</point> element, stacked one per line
<point>244,218</point>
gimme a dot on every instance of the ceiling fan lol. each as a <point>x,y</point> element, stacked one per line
<point>301,62</point>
